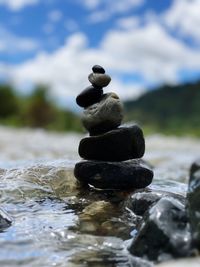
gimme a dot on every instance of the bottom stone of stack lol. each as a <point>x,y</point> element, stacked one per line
<point>113,175</point>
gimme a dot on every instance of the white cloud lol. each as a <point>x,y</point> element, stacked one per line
<point>104,9</point>
<point>185,17</point>
<point>149,51</point>
<point>128,22</point>
<point>91,4</point>
<point>55,15</point>
<point>10,43</point>
<point>16,5</point>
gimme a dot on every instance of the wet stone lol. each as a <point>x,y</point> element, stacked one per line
<point>193,202</point>
<point>98,69</point>
<point>164,232</point>
<point>89,96</point>
<point>103,116</point>
<point>142,200</point>
<point>99,79</point>
<point>5,220</point>
<point>113,175</point>
<point>117,145</point>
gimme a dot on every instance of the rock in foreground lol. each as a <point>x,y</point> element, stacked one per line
<point>113,175</point>
<point>164,233</point>
<point>142,200</point>
<point>193,202</point>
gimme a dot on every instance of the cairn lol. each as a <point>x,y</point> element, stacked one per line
<point>112,153</point>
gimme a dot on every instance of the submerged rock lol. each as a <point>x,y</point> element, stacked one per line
<point>113,175</point>
<point>5,220</point>
<point>103,116</point>
<point>164,233</point>
<point>193,202</point>
<point>117,145</point>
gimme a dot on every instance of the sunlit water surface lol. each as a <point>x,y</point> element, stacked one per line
<point>56,223</point>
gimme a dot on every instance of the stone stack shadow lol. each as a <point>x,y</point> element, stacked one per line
<point>112,153</point>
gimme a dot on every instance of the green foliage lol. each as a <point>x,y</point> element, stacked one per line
<point>36,110</point>
<point>169,109</point>
<point>8,102</point>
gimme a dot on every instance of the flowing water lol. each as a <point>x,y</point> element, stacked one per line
<point>56,223</point>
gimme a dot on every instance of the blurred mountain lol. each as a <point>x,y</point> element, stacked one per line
<point>168,109</point>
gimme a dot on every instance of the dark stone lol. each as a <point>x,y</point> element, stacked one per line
<point>113,175</point>
<point>193,202</point>
<point>98,69</point>
<point>117,145</point>
<point>164,233</point>
<point>5,220</point>
<point>89,96</point>
<point>140,201</point>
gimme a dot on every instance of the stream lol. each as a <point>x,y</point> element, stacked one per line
<point>57,223</point>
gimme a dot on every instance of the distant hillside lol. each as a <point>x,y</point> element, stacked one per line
<point>169,109</point>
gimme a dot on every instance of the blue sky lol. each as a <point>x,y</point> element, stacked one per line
<point>141,44</point>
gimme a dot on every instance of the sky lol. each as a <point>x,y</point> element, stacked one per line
<point>141,44</point>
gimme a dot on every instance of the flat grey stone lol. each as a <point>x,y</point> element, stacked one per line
<point>103,116</point>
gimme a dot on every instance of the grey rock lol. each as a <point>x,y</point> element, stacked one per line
<point>5,220</point>
<point>193,202</point>
<point>103,116</point>
<point>142,200</point>
<point>117,145</point>
<point>99,79</point>
<point>164,233</point>
<point>138,262</point>
<point>113,175</point>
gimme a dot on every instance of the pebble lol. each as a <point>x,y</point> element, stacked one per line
<point>99,79</point>
<point>103,116</point>
<point>89,96</point>
<point>113,175</point>
<point>98,69</point>
<point>117,145</point>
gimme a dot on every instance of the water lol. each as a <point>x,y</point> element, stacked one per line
<point>56,223</point>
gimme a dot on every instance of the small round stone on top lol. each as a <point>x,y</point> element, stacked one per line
<point>98,69</point>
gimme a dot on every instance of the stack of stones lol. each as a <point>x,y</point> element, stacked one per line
<point>111,151</point>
